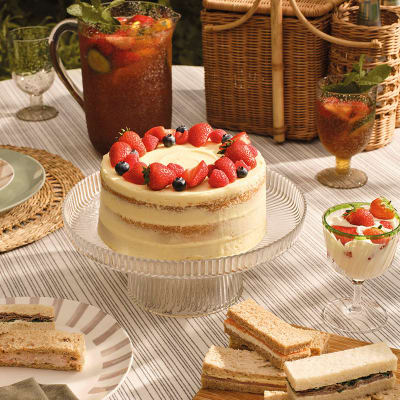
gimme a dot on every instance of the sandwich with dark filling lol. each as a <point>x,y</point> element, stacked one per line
<point>343,375</point>
<point>26,317</point>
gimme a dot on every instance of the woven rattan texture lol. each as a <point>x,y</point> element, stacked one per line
<point>342,59</point>
<point>238,74</point>
<point>41,214</point>
<point>310,8</point>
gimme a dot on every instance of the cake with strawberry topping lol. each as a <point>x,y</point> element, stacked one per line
<point>361,238</point>
<point>182,194</point>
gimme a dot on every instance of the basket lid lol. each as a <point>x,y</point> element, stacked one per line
<point>310,8</point>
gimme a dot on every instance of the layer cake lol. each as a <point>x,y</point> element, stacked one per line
<point>199,222</point>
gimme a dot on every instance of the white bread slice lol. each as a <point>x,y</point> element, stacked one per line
<point>340,366</point>
<point>240,370</point>
<point>47,349</point>
<point>389,394</point>
<point>319,344</point>
<point>26,312</point>
<point>348,394</point>
<point>278,334</point>
<point>274,395</point>
<point>249,342</point>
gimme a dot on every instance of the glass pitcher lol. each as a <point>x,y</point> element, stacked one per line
<point>126,70</point>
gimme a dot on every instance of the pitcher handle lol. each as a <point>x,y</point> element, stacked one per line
<point>70,25</point>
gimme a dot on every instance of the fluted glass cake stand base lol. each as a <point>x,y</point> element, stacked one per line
<point>185,288</point>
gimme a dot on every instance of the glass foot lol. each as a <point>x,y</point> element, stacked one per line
<point>369,318</point>
<point>355,178</point>
<point>37,113</point>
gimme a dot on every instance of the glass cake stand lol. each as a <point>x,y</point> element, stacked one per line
<point>185,288</point>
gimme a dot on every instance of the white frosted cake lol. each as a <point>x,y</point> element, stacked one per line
<point>172,223</point>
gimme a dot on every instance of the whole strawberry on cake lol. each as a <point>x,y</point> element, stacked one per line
<point>182,194</point>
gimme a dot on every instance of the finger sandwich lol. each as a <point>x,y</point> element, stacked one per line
<point>45,349</point>
<point>240,371</point>
<point>250,324</point>
<point>26,316</point>
<point>342,375</point>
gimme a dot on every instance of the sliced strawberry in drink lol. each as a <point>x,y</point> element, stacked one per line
<point>321,106</point>
<point>345,229</point>
<point>342,111</point>
<point>359,111</point>
<point>122,20</point>
<point>143,19</point>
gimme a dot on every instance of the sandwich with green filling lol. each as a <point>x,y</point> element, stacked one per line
<point>343,375</point>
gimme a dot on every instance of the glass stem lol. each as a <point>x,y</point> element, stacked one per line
<point>342,166</point>
<point>36,100</point>
<point>356,304</point>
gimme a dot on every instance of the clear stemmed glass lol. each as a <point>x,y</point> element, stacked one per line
<point>358,257</point>
<point>32,70</point>
<point>344,123</point>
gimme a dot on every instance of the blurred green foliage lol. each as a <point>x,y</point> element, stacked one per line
<point>16,13</point>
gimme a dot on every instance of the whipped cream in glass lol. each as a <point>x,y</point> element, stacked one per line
<point>358,257</point>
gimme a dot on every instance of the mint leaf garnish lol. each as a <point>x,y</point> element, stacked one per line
<point>360,80</point>
<point>94,13</point>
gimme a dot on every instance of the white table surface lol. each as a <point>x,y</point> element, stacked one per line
<point>168,352</point>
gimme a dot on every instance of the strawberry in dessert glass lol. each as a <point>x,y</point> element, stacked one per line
<point>361,240</point>
<point>345,116</point>
<point>126,58</point>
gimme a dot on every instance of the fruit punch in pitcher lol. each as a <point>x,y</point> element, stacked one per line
<point>126,57</point>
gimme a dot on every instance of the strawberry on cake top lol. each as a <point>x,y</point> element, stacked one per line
<point>182,194</point>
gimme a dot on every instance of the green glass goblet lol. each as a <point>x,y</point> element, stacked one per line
<point>31,69</point>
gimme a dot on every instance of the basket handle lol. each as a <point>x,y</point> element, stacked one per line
<point>234,24</point>
<point>376,44</point>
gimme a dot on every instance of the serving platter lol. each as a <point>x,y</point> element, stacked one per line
<point>108,356</point>
<point>336,343</point>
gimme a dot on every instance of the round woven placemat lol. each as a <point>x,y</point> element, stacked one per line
<point>41,214</point>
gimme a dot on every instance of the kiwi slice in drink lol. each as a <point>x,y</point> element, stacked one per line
<point>98,62</point>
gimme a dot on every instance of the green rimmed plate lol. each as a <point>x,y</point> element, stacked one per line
<point>29,177</point>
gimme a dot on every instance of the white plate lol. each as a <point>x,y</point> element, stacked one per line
<point>108,350</point>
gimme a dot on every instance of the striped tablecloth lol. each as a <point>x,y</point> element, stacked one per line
<point>167,352</point>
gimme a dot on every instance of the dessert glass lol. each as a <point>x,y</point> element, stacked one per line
<point>126,71</point>
<point>344,123</point>
<point>359,259</point>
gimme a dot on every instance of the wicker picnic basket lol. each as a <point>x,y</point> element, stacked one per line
<point>238,67</point>
<point>342,59</point>
<point>250,51</point>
